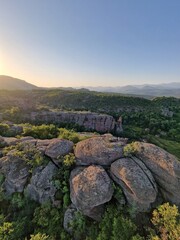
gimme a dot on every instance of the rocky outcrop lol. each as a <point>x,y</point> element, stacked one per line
<point>147,173</point>
<point>16,173</point>
<point>58,148</point>
<point>90,121</point>
<point>164,167</point>
<point>102,150</point>
<point>136,181</point>
<point>41,187</point>
<point>90,187</point>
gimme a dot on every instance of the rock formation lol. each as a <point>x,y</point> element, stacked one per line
<point>16,173</point>
<point>164,167</point>
<point>58,148</point>
<point>90,188</point>
<point>90,121</point>
<point>136,181</point>
<point>102,150</point>
<point>41,187</point>
<point>147,173</point>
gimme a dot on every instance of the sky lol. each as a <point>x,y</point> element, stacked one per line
<point>90,42</point>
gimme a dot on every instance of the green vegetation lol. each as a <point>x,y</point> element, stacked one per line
<point>23,219</point>
<point>69,160</point>
<point>70,135</point>
<point>39,236</point>
<point>166,221</point>
<point>28,153</point>
<point>130,149</point>
<point>42,132</point>
<point>156,121</point>
<point>171,146</point>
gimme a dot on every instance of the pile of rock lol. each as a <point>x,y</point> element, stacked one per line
<point>151,173</point>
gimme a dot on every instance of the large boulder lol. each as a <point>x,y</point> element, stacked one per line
<point>16,173</point>
<point>101,150</point>
<point>41,187</point>
<point>58,148</point>
<point>136,181</point>
<point>90,187</point>
<point>165,168</point>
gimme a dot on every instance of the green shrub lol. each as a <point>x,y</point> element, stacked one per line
<point>166,222</point>
<point>130,149</point>
<point>39,236</point>
<point>114,226</point>
<point>6,231</point>
<point>4,129</point>
<point>48,220</point>
<point>69,160</point>
<point>69,135</point>
<point>30,154</point>
<point>42,132</point>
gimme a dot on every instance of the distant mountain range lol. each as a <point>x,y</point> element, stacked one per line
<point>166,89</point>
<point>10,83</point>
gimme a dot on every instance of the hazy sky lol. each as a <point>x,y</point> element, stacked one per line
<point>90,42</point>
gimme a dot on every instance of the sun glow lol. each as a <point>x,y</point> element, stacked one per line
<point>1,67</point>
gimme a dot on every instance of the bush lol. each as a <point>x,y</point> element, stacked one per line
<point>4,129</point>
<point>42,132</point>
<point>27,152</point>
<point>130,149</point>
<point>48,220</point>
<point>166,222</point>
<point>69,135</point>
<point>69,160</point>
<point>39,236</point>
<point>114,226</point>
<point>6,231</point>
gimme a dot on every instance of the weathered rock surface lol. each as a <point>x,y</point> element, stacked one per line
<point>10,141</point>
<point>152,173</point>
<point>165,168</point>
<point>58,148</point>
<point>136,181</point>
<point>16,173</point>
<point>42,144</point>
<point>69,216</point>
<point>100,150</point>
<point>13,141</point>
<point>90,187</point>
<point>2,142</point>
<point>41,187</point>
<point>90,121</point>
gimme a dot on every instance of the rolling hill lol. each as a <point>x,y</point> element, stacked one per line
<point>10,83</point>
<point>157,90</point>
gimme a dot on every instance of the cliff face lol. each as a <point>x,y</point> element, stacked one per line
<point>90,121</point>
<point>146,176</point>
